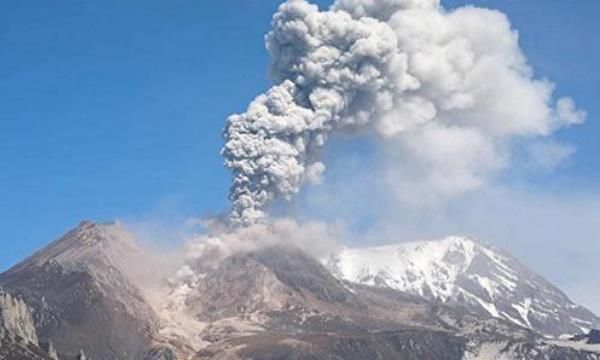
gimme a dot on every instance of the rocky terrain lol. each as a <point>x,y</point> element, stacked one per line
<point>79,298</point>
<point>18,337</point>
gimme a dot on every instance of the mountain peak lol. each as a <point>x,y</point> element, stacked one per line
<point>90,244</point>
<point>277,300</point>
<point>462,270</point>
<point>417,264</point>
<point>82,294</point>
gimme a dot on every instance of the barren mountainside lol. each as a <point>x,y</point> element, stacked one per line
<point>274,302</point>
<point>79,297</point>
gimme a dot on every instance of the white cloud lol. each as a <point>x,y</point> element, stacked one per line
<point>317,238</point>
<point>548,155</point>
<point>568,113</point>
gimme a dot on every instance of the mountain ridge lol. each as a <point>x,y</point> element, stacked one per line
<point>79,296</point>
<point>274,302</point>
<point>461,270</point>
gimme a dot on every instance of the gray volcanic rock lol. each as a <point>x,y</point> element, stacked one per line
<point>16,318</point>
<point>401,345</point>
<point>279,303</point>
<point>592,338</point>
<point>275,302</point>
<point>159,353</point>
<point>467,273</point>
<point>273,279</point>
<point>13,349</point>
<point>18,339</point>
<point>282,288</point>
<point>81,298</point>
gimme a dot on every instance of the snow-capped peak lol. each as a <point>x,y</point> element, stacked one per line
<point>426,268</point>
<point>459,269</point>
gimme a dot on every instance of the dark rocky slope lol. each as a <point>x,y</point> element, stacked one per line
<point>80,298</point>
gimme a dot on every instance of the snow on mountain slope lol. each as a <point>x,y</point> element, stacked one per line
<point>458,269</point>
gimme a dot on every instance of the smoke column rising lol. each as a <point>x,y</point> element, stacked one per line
<point>447,89</point>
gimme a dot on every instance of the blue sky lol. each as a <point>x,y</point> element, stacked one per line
<point>115,109</point>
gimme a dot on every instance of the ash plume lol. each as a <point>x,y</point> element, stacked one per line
<point>447,89</point>
<point>319,239</point>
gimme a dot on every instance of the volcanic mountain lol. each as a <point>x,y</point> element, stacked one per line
<point>18,338</point>
<point>80,297</point>
<point>271,302</point>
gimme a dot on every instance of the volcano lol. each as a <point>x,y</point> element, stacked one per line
<point>79,298</point>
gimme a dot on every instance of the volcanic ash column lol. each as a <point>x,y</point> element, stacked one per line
<point>450,88</point>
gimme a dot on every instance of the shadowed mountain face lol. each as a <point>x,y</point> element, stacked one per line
<point>276,302</point>
<point>401,345</point>
<point>80,298</point>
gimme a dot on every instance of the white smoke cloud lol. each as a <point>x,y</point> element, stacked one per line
<point>203,251</point>
<point>382,9</point>
<point>332,72</point>
<point>445,92</point>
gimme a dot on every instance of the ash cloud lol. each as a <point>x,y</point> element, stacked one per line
<point>444,92</point>
<point>204,251</point>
